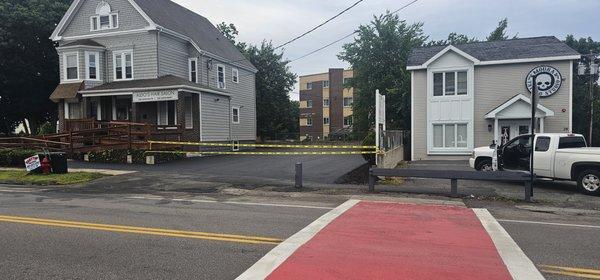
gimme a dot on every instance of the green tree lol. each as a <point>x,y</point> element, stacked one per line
<point>378,56</point>
<point>28,61</point>
<point>499,34</point>
<point>276,113</point>
<point>453,39</point>
<point>581,85</point>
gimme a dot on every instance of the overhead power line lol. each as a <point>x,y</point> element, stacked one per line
<point>318,26</point>
<point>345,37</point>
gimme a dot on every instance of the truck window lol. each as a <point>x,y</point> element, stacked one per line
<point>571,142</point>
<point>542,144</point>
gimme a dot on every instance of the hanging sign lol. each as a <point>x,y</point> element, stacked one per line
<point>155,96</point>
<point>548,80</point>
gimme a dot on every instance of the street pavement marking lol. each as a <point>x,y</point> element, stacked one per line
<point>142,230</point>
<point>232,202</point>
<point>571,271</point>
<point>267,264</point>
<point>548,223</point>
<point>518,264</point>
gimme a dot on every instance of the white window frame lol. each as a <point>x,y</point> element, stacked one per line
<point>350,103</point>
<point>223,84</point>
<point>166,112</point>
<point>326,104</point>
<point>309,123</point>
<point>444,125</point>
<point>326,121</point>
<point>309,103</point>
<point>111,23</point>
<point>123,53</point>
<point>87,65</point>
<point>455,83</point>
<point>309,86</point>
<point>325,84</point>
<point>235,75</point>
<point>188,107</point>
<point>194,60</point>
<point>233,115</point>
<point>65,66</point>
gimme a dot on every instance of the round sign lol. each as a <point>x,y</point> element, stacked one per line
<point>548,80</point>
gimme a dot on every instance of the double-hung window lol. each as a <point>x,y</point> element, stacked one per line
<point>235,75</point>
<point>235,115</point>
<point>450,83</point>
<point>104,18</point>
<point>221,77</point>
<point>166,113</point>
<point>123,65</point>
<point>326,103</point>
<point>308,86</point>
<point>92,65</point>
<point>193,70</point>
<point>454,135</point>
<point>348,121</point>
<point>325,84</point>
<point>71,68</point>
<point>309,121</point>
<point>326,120</point>
<point>348,101</point>
<point>309,103</point>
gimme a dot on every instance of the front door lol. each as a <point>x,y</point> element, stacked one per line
<point>509,129</point>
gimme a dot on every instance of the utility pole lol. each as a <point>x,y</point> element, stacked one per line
<point>589,67</point>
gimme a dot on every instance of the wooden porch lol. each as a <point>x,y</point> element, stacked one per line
<point>85,135</point>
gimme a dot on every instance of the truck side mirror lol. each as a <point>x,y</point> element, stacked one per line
<point>493,145</point>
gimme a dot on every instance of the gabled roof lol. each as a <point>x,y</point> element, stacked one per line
<point>86,42</point>
<point>172,18</point>
<point>518,98</point>
<point>498,51</point>
<point>164,82</point>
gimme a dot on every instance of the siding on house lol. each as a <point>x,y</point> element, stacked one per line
<point>129,18</point>
<point>173,55</point>
<point>494,85</point>
<point>215,124</point>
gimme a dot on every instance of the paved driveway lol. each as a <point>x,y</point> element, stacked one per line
<point>323,169</point>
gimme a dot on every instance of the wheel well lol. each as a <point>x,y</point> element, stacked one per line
<point>478,160</point>
<point>577,168</point>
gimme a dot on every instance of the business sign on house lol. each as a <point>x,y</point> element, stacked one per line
<point>155,96</point>
<point>548,80</point>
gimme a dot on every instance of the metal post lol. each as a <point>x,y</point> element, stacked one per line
<point>454,187</point>
<point>591,100</point>
<point>528,191</point>
<point>371,180</point>
<point>534,97</point>
<point>299,175</point>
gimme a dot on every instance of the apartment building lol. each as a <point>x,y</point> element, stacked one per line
<point>326,105</point>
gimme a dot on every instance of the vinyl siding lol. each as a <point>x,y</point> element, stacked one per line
<point>144,54</point>
<point>173,56</point>
<point>215,120</point>
<point>494,85</point>
<point>129,18</point>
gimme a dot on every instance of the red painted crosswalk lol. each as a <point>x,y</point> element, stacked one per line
<point>372,240</point>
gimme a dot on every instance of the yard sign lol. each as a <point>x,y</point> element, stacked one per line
<point>32,163</point>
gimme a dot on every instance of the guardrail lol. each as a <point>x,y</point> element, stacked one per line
<point>454,176</point>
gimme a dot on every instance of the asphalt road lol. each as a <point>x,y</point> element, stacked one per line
<point>55,249</point>
<point>31,251</point>
<point>325,169</point>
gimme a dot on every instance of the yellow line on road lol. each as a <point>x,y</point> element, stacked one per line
<point>142,230</point>
<point>572,271</point>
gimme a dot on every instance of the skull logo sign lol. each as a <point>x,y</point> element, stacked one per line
<point>548,80</point>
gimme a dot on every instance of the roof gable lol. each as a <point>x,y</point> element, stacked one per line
<point>496,52</point>
<point>518,107</point>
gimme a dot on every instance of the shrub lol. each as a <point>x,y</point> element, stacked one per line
<point>369,140</point>
<point>46,128</point>
<point>15,157</point>
<point>138,156</point>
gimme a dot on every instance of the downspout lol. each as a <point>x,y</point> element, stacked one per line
<point>230,116</point>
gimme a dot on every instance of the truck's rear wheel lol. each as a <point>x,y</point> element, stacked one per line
<point>589,182</point>
<point>485,165</point>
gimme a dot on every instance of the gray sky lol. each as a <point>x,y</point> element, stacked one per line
<point>280,20</point>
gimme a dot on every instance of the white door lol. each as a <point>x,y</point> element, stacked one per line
<point>543,157</point>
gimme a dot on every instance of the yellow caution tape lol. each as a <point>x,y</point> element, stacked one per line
<point>206,144</point>
<point>266,153</point>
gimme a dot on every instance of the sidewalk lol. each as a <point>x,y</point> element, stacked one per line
<point>376,240</point>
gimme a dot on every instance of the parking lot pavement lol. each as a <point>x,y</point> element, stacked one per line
<point>322,169</point>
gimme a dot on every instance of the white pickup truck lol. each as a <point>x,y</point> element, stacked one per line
<point>557,156</point>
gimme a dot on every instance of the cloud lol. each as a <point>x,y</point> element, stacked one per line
<point>278,21</point>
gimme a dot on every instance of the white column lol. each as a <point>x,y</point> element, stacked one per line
<point>496,130</point>
<point>542,125</point>
<point>66,109</point>
<point>99,108</point>
<point>114,108</point>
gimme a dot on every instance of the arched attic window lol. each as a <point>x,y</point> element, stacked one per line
<point>105,18</point>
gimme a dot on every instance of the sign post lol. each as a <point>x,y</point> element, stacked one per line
<point>380,121</point>
<point>534,102</point>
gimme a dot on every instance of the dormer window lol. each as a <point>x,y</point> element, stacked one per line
<point>104,18</point>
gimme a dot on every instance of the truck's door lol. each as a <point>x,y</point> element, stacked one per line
<point>516,153</point>
<point>543,163</point>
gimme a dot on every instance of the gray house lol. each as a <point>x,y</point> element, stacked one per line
<point>466,96</point>
<point>154,62</point>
